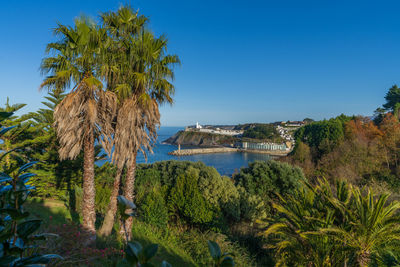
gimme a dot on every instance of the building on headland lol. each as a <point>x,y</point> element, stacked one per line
<point>213,130</point>
<point>265,146</point>
<point>293,123</point>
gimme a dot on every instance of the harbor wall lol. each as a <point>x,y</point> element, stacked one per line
<point>186,152</point>
<point>194,151</point>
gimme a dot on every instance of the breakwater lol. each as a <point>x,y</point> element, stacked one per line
<point>195,151</point>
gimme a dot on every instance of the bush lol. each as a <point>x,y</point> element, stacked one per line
<point>191,189</point>
<point>195,243</point>
<point>153,209</point>
<point>323,136</point>
<point>262,131</point>
<point>252,207</point>
<point>267,179</point>
<point>186,202</point>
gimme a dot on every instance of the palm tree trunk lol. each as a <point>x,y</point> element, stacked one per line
<point>128,194</point>
<point>89,189</point>
<point>108,223</point>
<point>363,259</point>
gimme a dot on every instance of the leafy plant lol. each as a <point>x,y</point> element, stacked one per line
<point>322,225</point>
<point>135,254</point>
<point>220,259</point>
<point>17,238</point>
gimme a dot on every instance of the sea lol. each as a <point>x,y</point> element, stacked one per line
<point>225,163</point>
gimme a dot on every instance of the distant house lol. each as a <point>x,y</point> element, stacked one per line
<point>264,146</point>
<point>214,130</point>
<point>294,123</point>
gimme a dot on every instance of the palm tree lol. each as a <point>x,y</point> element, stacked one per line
<point>340,226</point>
<point>373,227</point>
<point>151,87</point>
<point>142,82</point>
<point>87,110</point>
<point>291,233</point>
<point>125,24</point>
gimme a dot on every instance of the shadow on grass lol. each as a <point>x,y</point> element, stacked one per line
<point>58,219</point>
<point>51,211</point>
<point>167,250</point>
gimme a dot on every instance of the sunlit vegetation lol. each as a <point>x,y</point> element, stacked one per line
<point>260,132</point>
<point>332,202</point>
<point>269,213</point>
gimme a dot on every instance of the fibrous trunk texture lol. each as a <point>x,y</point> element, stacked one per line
<point>89,190</point>
<point>363,259</point>
<point>109,219</point>
<point>128,194</point>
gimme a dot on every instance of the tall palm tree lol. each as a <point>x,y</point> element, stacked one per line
<point>122,26</point>
<point>87,111</point>
<point>142,82</point>
<point>151,88</point>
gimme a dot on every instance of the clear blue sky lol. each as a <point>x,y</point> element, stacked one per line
<point>242,61</point>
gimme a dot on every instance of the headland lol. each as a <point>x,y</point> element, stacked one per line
<point>275,139</point>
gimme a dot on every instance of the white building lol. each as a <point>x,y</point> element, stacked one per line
<point>213,130</point>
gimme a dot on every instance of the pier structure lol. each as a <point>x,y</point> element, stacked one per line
<point>195,151</point>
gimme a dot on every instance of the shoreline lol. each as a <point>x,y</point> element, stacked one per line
<point>196,151</point>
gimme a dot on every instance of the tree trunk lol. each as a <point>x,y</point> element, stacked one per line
<point>128,194</point>
<point>108,223</point>
<point>363,259</point>
<point>89,189</point>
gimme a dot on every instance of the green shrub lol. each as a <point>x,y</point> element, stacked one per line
<point>153,209</point>
<point>267,179</point>
<point>186,202</point>
<point>190,189</point>
<point>220,192</point>
<point>195,243</point>
<point>252,207</point>
<point>261,131</point>
<point>102,199</point>
<point>104,183</point>
<point>322,136</point>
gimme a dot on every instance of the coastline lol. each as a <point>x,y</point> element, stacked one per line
<point>195,151</point>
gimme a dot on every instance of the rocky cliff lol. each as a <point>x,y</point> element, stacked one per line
<point>200,139</point>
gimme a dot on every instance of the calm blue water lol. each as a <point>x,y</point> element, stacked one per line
<point>225,163</point>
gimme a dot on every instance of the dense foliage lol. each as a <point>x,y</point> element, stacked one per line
<point>18,241</point>
<point>366,153</point>
<point>267,180</point>
<point>333,226</point>
<point>339,209</point>
<point>323,136</point>
<point>261,132</point>
<point>392,100</point>
<point>194,193</point>
<point>181,205</point>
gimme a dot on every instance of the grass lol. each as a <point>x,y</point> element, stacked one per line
<point>177,247</point>
<point>167,249</point>
<point>55,212</point>
<point>50,211</point>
